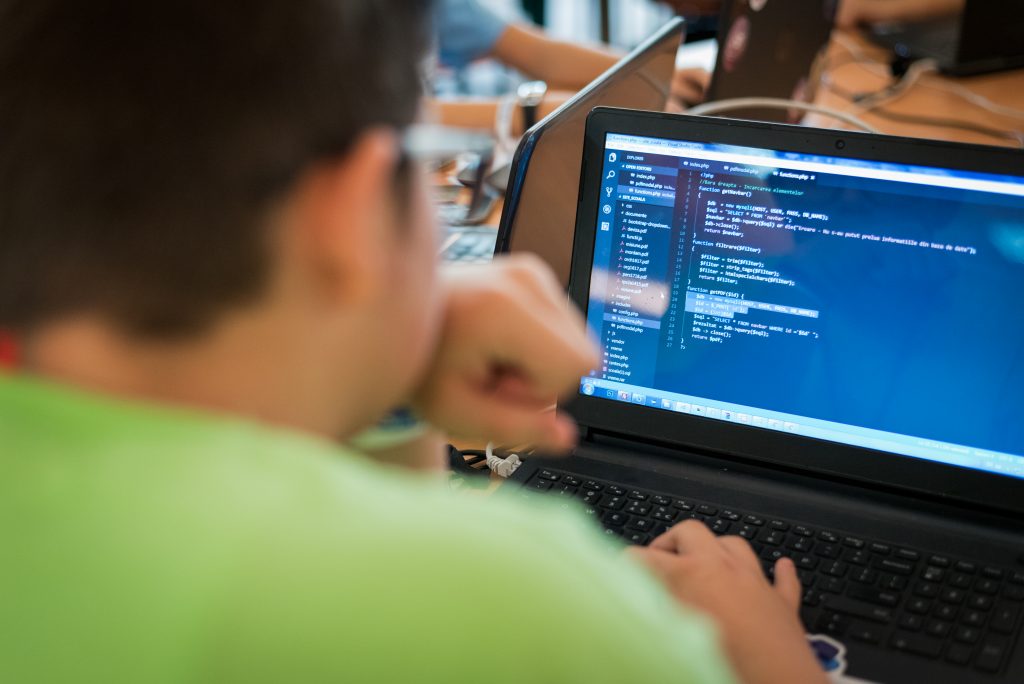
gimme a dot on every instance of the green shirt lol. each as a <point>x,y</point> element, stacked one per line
<point>150,544</point>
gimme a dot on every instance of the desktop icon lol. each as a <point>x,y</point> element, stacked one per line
<point>639,399</point>
<point>611,174</point>
<point>613,157</point>
<point>608,191</point>
<point>666,404</point>
<point>607,209</point>
<point>624,396</point>
<point>682,407</point>
<point>605,226</point>
<point>588,389</point>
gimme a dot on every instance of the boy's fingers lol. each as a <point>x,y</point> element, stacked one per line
<point>787,582</point>
<point>690,536</point>
<point>662,563</point>
<point>742,553</point>
<point>490,417</point>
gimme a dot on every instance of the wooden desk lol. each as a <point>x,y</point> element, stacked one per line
<point>927,98</point>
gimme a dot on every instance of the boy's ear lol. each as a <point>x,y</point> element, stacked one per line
<point>344,216</point>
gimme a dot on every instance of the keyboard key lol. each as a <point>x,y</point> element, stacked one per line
<point>895,566</point>
<point>968,635</point>
<point>779,525</point>
<point>857,557</point>
<point>1017,577</point>
<point>907,554</point>
<point>637,495</point>
<point>664,514</point>
<point>730,515</point>
<point>615,491</point>
<point>882,598</point>
<point>987,586</point>
<point>772,555</point>
<point>939,561</point>
<point>881,549</point>
<point>864,575</point>
<point>661,500</point>
<point>638,538</point>
<point>721,526</point>
<point>541,485</point>
<point>594,486</point>
<point>833,585</point>
<point>953,595</point>
<point>853,542</point>
<point>614,503</point>
<point>1004,619</point>
<point>829,537</point>
<point>833,624</point>
<point>919,606</point>
<point>571,481</point>
<point>754,520</point>
<point>548,475</point>
<point>801,544</point>
<point>772,537</point>
<point>641,524</point>
<point>866,633</point>
<point>589,496</point>
<point>914,623</point>
<point>959,654</point>
<point>916,644</point>
<point>1013,592</point>
<point>835,569</point>
<point>992,573</point>
<point>807,578</point>
<point>926,589</point>
<point>938,628</point>
<point>933,574</point>
<point>990,657</point>
<point>748,532</point>
<point>894,582</point>
<point>614,519</point>
<point>811,598</point>
<point>944,611</point>
<point>806,562</point>
<point>973,618</point>
<point>802,531</point>
<point>638,508</point>
<point>705,509</point>
<point>980,602</point>
<point>964,566</point>
<point>859,609</point>
<point>961,580</point>
<point>682,505</point>
<point>826,550</point>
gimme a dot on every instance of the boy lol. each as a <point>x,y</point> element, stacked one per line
<point>215,258</point>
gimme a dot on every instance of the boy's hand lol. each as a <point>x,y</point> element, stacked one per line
<point>761,632</point>
<point>511,344</point>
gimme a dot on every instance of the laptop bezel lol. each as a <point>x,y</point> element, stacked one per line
<point>784,450</point>
<point>524,151</point>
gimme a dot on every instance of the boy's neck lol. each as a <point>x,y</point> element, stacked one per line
<point>245,369</point>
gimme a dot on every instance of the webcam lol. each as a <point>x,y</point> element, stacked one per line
<point>840,144</point>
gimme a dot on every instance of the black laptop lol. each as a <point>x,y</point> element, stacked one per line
<point>814,340</point>
<point>988,36</point>
<point>771,49</point>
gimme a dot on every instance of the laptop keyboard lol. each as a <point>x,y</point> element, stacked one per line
<point>475,246</point>
<point>930,605</point>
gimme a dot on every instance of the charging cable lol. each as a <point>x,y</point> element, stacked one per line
<point>720,106</point>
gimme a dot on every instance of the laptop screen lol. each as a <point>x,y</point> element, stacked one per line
<point>859,302</point>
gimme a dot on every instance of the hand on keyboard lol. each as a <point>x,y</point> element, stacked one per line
<point>511,344</point>
<point>723,578</point>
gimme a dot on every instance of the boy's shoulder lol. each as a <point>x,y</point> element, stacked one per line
<point>282,558</point>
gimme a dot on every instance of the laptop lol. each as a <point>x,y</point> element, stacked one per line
<point>771,48</point>
<point>988,36</point>
<point>814,340</point>
<point>551,151</point>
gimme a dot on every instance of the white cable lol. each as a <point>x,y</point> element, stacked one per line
<point>900,88</point>
<point>977,100</point>
<point>503,467</point>
<point>710,108</point>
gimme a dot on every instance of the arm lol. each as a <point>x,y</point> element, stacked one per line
<point>561,64</point>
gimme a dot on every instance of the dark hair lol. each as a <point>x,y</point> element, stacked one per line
<point>144,145</point>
